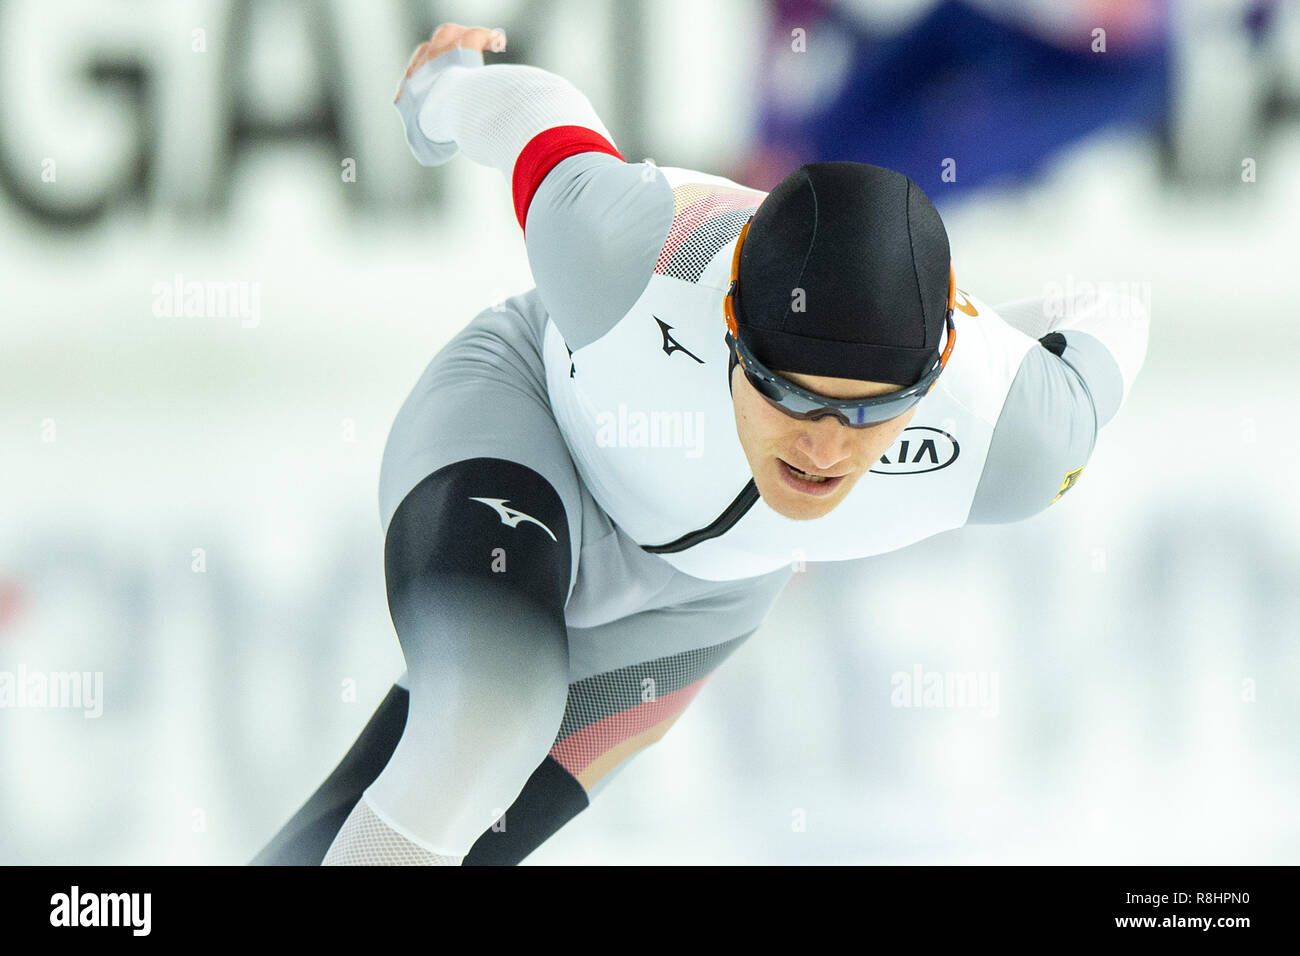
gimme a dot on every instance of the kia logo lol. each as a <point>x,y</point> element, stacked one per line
<point>918,450</point>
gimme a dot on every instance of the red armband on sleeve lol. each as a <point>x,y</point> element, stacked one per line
<point>543,152</point>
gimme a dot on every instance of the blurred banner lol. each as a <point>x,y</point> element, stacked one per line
<point>222,273</point>
<point>1004,86</point>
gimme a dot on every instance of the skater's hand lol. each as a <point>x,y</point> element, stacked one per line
<point>448,36</point>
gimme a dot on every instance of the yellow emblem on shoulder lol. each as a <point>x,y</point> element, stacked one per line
<point>1070,480</point>
<point>964,303</point>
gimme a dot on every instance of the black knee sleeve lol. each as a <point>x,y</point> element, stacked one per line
<point>487,521</point>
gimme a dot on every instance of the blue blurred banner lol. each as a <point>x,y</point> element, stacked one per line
<point>962,98</point>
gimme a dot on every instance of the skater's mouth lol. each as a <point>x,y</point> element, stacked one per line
<point>809,483</point>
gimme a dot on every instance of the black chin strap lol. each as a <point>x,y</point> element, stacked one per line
<point>731,367</point>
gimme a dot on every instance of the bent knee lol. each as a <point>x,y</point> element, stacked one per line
<point>477,566</point>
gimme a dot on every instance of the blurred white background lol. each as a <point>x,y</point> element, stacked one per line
<point>1143,630</point>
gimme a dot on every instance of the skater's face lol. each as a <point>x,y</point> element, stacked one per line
<point>773,441</point>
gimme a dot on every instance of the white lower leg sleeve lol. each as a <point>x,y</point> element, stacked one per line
<point>367,840</point>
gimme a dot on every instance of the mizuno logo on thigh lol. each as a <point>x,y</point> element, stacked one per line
<point>511,516</point>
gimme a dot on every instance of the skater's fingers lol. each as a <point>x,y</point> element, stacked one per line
<point>448,36</point>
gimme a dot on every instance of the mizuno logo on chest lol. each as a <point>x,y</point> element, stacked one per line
<point>671,345</point>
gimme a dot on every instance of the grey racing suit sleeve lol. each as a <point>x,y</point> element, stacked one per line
<point>595,229</point>
<point>594,225</point>
<point>1066,388</point>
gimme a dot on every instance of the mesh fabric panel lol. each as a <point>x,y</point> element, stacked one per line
<point>705,219</point>
<point>612,715</point>
<point>492,112</point>
<point>366,840</point>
